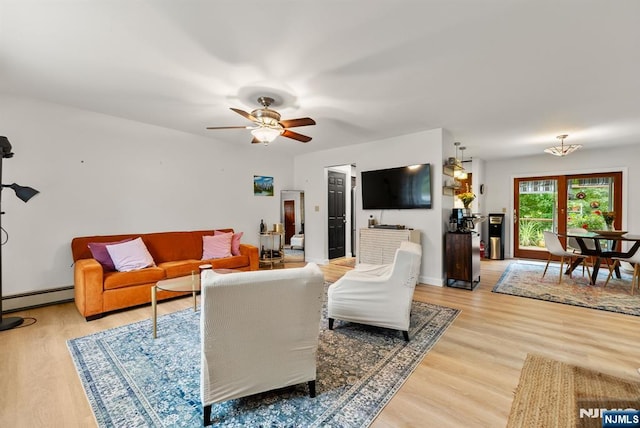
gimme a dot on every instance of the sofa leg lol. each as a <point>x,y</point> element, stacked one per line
<point>206,417</point>
<point>406,335</point>
<point>330,323</point>
<point>312,388</point>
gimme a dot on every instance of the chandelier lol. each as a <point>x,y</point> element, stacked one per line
<point>562,150</point>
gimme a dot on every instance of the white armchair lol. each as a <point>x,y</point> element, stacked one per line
<point>297,241</point>
<point>378,295</point>
<point>259,331</point>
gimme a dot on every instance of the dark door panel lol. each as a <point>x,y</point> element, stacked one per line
<point>336,212</point>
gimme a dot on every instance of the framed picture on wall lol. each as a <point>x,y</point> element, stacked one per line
<point>262,186</point>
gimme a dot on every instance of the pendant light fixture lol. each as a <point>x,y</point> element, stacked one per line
<point>458,172</point>
<point>462,173</point>
<point>562,150</point>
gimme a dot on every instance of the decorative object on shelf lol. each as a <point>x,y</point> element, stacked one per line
<point>609,217</point>
<point>562,150</point>
<point>262,226</point>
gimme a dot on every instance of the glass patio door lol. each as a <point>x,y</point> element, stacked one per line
<point>563,202</point>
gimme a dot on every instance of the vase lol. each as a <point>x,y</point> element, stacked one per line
<point>609,226</point>
<point>466,212</point>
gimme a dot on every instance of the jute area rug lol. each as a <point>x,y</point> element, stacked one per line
<point>555,394</point>
<point>132,380</point>
<point>524,278</point>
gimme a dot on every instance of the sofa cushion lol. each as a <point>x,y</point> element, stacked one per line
<point>217,246</point>
<point>113,280</point>
<point>233,262</point>
<point>100,253</point>
<point>180,268</point>
<point>130,255</point>
<point>235,241</point>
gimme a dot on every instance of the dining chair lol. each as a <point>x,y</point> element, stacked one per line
<point>573,245</point>
<point>635,277</point>
<point>555,248</point>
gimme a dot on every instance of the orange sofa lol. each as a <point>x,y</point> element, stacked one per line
<point>174,253</point>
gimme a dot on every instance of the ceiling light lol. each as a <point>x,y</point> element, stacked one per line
<point>266,134</point>
<point>562,150</point>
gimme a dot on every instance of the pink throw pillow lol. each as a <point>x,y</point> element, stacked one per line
<point>216,246</point>
<point>235,241</point>
<point>130,255</point>
<point>100,253</point>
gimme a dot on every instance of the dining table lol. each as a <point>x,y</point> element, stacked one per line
<point>612,247</point>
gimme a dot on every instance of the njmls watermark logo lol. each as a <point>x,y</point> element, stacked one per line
<point>608,414</point>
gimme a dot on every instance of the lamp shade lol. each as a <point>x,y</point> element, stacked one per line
<point>5,147</point>
<point>562,150</point>
<point>23,192</point>
<point>266,134</point>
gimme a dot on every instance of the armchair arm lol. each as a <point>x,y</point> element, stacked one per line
<point>88,286</point>
<point>377,270</point>
<point>251,251</point>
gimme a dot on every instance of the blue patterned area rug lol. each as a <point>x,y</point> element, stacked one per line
<point>524,279</point>
<point>132,380</point>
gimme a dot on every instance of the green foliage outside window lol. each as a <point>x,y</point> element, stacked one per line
<point>585,211</point>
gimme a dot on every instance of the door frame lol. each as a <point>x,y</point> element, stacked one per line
<point>619,178</point>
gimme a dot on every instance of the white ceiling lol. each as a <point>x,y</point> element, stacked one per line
<point>505,77</point>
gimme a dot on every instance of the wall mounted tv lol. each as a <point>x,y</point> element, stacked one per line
<point>397,188</point>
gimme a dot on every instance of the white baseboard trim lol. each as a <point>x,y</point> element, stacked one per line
<point>37,299</point>
<point>427,280</point>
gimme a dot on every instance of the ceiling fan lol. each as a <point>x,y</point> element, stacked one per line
<point>268,125</point>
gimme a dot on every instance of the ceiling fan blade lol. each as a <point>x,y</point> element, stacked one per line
<point>255,141</point>
<point>245,114</point>
<point>292,123</point>
<point>228,127</point>
<point>296,136</point>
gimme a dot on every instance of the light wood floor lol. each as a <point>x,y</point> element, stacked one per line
<point>467,379</point>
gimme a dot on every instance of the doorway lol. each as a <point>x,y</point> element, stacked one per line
<point>561,202</point>
<point>336,211</point>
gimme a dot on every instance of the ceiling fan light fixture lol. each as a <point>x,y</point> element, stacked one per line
<point>562,150</point>
<point>266,134</point>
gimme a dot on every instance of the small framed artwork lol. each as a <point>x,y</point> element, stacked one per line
<point>262,186</point>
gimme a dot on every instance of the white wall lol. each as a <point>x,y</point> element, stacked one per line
<point>500,175</point>
<point>422,147</point>
<point>99,174</point>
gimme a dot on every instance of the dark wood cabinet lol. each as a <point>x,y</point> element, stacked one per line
<point>462,251</point>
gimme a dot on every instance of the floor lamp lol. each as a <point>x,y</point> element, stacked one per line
<point>24,193</point>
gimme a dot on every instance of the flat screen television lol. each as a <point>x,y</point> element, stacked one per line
<point>397,188</point>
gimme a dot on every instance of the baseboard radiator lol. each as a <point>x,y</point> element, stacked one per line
<point>36,299</point>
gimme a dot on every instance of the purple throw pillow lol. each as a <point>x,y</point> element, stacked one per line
<point>100,253</point>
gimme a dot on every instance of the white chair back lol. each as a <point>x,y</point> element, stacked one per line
<point>259,330</point>
<point>553,244</point>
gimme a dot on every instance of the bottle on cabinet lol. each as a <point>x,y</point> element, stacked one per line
<point>262,226</point>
